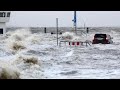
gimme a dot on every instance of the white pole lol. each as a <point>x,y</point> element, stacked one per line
<point>57,29</point>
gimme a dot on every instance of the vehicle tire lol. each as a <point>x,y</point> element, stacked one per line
<point>109,42</point>
<point>104,43</point>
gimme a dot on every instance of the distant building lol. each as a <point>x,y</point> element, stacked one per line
<point>4,18</point>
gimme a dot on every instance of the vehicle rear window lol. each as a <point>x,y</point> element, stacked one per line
<point>100,35</point>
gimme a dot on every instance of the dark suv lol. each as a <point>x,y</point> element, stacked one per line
<point>102,38</point>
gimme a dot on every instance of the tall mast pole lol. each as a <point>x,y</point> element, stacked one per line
<point>75,21</point>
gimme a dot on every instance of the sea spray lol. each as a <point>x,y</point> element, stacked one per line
<point>8,71</point>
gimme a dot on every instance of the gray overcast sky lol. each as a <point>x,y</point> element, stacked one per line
<point>47,18</point>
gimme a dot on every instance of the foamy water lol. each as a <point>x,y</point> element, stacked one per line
<point>96,61</point>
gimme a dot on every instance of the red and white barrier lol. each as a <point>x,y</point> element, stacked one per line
<point>70,43</point>
<point>75,43</point>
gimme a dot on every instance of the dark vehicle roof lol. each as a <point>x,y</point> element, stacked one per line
<point>100,35</point>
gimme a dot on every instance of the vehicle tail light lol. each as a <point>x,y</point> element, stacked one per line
<point>106,38</point>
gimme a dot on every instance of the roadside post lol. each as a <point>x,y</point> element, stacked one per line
<point>45,30</point>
